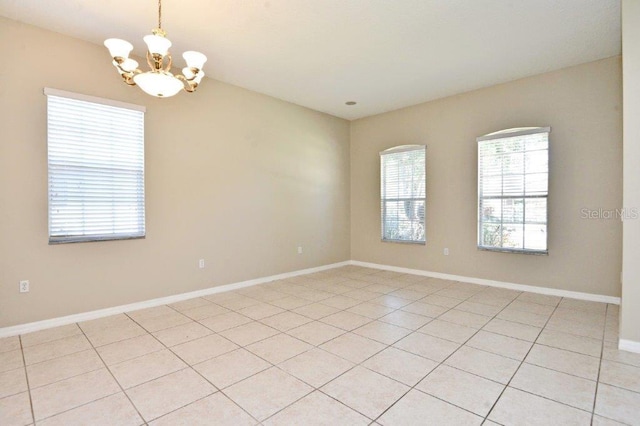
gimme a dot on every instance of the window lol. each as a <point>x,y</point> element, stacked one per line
<point>403,182</point>
<point>513,176</point>
<point>96,168</point>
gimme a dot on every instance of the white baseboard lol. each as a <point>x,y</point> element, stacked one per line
<point>491,283</point>
<point>101,313</point>
<point>629,345</point>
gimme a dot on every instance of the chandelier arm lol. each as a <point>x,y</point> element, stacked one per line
<point>168,67</point>
<point>188,85</point>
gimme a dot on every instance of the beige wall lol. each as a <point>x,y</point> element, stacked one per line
<point>232,176</point>
<point>581,104</point>
<point>630,312</point>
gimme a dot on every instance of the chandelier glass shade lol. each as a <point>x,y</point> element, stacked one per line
<point>158,81</point>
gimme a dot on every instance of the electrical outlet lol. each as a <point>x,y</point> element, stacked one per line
<point>446,252</point>
<point>24,286</point>
<point>201,263</point>
<point>299,249</point>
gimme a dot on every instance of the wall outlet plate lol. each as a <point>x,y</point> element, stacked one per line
<point>24,286</point>
<point>201,263</point>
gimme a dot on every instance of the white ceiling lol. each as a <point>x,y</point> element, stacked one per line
<point>384,54</point>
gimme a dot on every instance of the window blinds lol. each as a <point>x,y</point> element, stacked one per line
<point>96,168</point>
<point>513,176</point>
<point>403,193</point>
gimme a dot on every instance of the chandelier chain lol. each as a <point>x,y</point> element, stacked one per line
<point>160,14</point>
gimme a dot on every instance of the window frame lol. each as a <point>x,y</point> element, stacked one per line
<point>383,200</point>
<point>79,236</point>
<point>503,134</point>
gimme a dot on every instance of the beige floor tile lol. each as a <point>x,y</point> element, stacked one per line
<point>314,295</point>
<point>408,294</point>
<point>424,309</point>
<point>603,421</point>
<point>501,345</point>
<point>49,335</point>
<point>363,295</point>
<point>534,308</point>
<point>145,368</point>
<point>268,392</point>
<point>389,301</point>
<point>427,346</point>
<point>353,347</point>
<point>490,366</point>
<point>205,311</point>
<point>71,393</point>
<point>570,342</point>
<point>462,389</point>
<point>11,360</point>
<point>620,375</point>
<point>153,312</point>
<point>341,302</point>
<point>618,404</point>
<point>316,333</point>
<point>161,322</point>
<point>612,353</point>
<point>317,409</point>
<point>56,348</point>
<point>561,387</point>
<point>346,320</point>
<point>8,344</point>
<point>456,293</point>
<point>225,321</point>
<point>286,321</point>
<point>523,317</point>
<point>406,319</point>
<point>279,348</point>
<point>564,361</point>
<point>419,408</point>
<point>249,333</point>
<point>513,329</point>
<point>382,288</point>
<point>182,333</point>
<point>577,328</point>
<point>467,319</point>
<point>489,299</point>
<point>124,330</point>
<point>290,302</point>
<point>63,367</point>
<point>587,317</point>
<point>479,308</point>
<point>185,305</point>
<point>202,349</point>
<point>540,299</point>
<point>15,410</point>
<point>445,302</point>
<point>112,410</point>
<point>365,391</point>
<point>13,382</point>
<point>382,332</point>
<point>316,367</point>
<point>261,310</point>
<point>371,310</point>
<point>583,305</point>
<point>168,393</point>
<point>204,411</point>
<point>232,301</point>
<point>399,365</point>
<point>92,326</point>
<point>124,350</point>
<point>316,311</point>
<point>448,331</point>
<point>521,408</point>
<point>230,368</point>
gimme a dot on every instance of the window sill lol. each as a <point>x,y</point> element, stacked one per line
<point>515,251</point>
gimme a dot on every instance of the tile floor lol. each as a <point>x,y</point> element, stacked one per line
<point>352,346</point>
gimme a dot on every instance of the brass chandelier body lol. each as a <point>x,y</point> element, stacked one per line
<point>159,81</point>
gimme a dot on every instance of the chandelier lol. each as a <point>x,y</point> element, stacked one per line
<point>159,81</point>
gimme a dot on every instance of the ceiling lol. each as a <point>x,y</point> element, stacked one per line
<point>383,54</point>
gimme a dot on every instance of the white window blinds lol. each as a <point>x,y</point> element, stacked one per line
<point>96,168</point>
<point>403,192</point>
<point>513,176</point>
